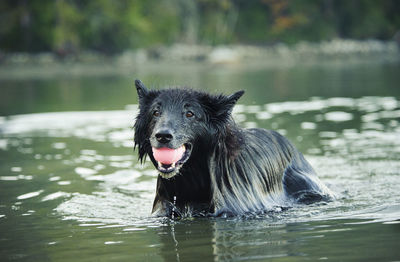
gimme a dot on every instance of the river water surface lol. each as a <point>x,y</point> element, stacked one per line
<point>71,188</point>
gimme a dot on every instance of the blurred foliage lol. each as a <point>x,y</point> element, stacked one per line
<point>67,26</point>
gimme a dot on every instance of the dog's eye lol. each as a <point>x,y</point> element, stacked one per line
<point>156,113</point>
<point>189,114</point>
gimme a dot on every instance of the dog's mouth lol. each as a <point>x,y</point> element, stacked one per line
<point>170,160</point>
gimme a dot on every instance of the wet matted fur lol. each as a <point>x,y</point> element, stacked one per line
<point>225,169</point>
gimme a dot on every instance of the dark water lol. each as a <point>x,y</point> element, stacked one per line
<point>71,186</point>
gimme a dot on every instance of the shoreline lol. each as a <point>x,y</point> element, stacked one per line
<point>14,65</point>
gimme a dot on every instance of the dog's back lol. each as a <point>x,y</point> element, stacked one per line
<point>268,171</point>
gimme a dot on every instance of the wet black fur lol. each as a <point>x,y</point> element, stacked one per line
<point>231,170</point>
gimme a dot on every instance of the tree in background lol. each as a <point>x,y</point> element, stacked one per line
<point>67,26</point>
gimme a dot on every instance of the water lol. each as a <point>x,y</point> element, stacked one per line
<point>71,185</point>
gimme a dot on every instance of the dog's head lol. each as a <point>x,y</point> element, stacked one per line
<point>172,122</point>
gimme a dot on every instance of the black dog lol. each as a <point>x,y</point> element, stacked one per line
<point>208,165</point>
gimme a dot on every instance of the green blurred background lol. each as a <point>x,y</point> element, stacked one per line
<point>74,55</point>
<point>68,26</point>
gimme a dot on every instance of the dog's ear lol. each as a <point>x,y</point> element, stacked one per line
<point>225,104</point>
<point>220,107</point>
<point>141,89</point>
<point>232,99</point>
<point>141,124</point>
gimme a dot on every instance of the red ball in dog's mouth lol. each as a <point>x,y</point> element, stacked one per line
<point>170,160</point>
<point>168,156</point>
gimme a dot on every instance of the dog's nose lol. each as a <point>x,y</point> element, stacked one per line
<point>164,137</point>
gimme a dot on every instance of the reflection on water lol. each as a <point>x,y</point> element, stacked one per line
<point>70,185</point>
<point>257,239</point>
